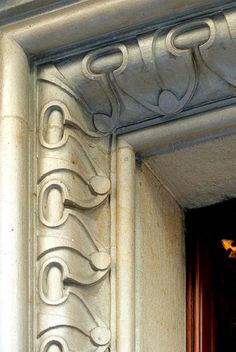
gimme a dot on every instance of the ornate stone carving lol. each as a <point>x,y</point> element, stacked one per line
<point>158,74</point>
<point>82,101</point>
<point>73,260</point>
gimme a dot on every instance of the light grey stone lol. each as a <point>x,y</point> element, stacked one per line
<point>79,85</point>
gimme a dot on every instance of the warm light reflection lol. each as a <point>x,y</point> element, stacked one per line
<point>228,246</point>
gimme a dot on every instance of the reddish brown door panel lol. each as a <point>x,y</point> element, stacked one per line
<point>211,278</point>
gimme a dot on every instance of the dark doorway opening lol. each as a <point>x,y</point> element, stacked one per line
<point>211,278</point>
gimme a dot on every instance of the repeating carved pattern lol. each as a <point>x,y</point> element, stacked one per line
<point>156,74</point>
<point>73,260</point>
<point>82,100</point>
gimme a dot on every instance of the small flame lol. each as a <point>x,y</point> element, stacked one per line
<point>228,246</point>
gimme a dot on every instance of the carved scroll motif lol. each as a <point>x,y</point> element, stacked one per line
<point>73,257</point>
<point>154,75</point>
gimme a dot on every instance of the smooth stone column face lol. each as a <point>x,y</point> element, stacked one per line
<point>160,277</point>
<point>13,235</point>
<point>125,248</point>
<point>14,184</point>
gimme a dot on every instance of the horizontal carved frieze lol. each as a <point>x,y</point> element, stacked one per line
<point>155,75</point>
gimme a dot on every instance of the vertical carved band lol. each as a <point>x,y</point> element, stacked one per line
<point>73,260</point>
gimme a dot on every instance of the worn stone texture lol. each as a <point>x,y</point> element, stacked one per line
<point>10,8</point>
<point>160,267</point>
<point>199,175</point>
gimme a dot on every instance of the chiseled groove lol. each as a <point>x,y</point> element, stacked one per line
<point>188,39</point>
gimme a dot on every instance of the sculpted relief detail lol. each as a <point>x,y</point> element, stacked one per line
<point>81,102</point>
<point>73,227</point>
<point>154,75</point>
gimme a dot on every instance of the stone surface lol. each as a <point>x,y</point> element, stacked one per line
<point>160,267</point>
<point>72,265</point>
<point>199,175</point>
<point>9,9</point>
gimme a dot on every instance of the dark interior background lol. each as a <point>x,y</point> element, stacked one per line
<point>206,227</point>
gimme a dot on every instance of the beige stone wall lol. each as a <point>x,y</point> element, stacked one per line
<point>160,267</point>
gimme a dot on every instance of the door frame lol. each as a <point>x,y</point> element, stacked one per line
<point>40,39</point>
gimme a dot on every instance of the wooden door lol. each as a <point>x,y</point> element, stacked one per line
<point>211,279</point>
<point>201,320</point>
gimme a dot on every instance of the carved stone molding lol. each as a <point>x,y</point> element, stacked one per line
<point>98,75</point>
<point>73,232</point>
<point>160,74</point>
<point>81,102</point>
